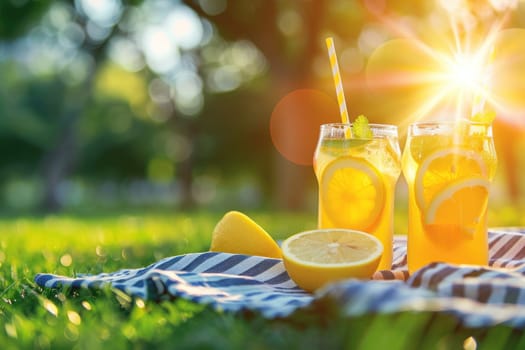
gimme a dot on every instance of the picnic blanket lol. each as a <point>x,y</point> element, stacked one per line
<point>476,296</point>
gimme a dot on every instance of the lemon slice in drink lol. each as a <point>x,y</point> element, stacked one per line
<point>315,258</point>
<point>238,234</point>
<point>353,193</point>
<point>456,210</point>
<point>441,168</point>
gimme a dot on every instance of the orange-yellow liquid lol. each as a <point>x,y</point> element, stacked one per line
<point>384,155</point>
<point>446,244</point>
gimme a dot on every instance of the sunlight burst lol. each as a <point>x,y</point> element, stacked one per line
<point>449,73</point>
<point>465,73</point>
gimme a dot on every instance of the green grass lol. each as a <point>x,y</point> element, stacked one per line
<point>32,318</point>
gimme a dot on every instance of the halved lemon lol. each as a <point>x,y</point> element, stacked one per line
<point>352,193</point>
<point>238,234</point>
<point>456,211</point>
<point>441,168</point>
<point>318,257</point>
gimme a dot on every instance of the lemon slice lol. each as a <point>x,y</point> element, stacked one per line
<point>353,193</point>
<point>238,234</point>
<point>456,211</point>
<point>315,258</point>
<point>422,145</point>
<point>443,167</point>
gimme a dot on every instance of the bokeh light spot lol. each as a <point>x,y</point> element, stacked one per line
<point>50,307</point>
<point>74,317</point>
<point>295,122</point>
<point>213,7</point>
<point>290,23</point>
<point>162,55</point>
<point>10,329</point>
<point>87,305</point>
<point>66,260</point>
<point>103,12</point>
<point>185,27</point>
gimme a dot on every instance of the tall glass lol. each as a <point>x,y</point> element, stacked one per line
<point>448,167</point>
<point>357,179</point>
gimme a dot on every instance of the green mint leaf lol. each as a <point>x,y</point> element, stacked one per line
<point>361,129</point>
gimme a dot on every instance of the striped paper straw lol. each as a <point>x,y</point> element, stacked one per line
<point>337,80</point>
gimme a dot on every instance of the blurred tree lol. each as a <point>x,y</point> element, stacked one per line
<point>59,159</point>
<point>61,101</point>
<point>174,90</point>
<point>289,36</point>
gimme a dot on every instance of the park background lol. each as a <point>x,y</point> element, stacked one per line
<point>128,128</point>
<point>112,105</point>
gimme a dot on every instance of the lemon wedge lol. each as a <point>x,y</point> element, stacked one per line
<point>457,209</point>
<point>352,193</point>
<point>238,234</point>
<point>443,167</point>
<point>318,257</point>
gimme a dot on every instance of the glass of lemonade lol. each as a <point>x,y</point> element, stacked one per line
<point>448,167</point>
<point>357,179</point>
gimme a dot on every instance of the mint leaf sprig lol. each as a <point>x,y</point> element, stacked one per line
<point>361,128</point>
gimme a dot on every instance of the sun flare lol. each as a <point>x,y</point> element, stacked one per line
<point>449,71</point>
<point>467,78</point>
<point>465,73</point>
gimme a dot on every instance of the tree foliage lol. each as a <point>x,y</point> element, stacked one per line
<point>88,117</point>
<point>18,16</point>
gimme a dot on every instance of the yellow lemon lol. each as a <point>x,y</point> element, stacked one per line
<point>457,209</point>
<point>315,258</point>
<point>237,233</point>
<point>352,193</point>
<point>443,167</point>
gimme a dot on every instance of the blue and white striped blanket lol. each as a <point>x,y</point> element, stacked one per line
<point>477,296</point>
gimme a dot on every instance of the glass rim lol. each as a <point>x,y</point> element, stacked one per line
<point>447,127</point>
<point>372,125</point>
<point>430,123</point>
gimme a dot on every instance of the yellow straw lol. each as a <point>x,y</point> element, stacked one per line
<point>337,80</point>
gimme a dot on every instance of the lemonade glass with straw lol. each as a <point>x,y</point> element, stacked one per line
<point>357,178</point>
<point>357,166</point>
<point>448,167</point>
